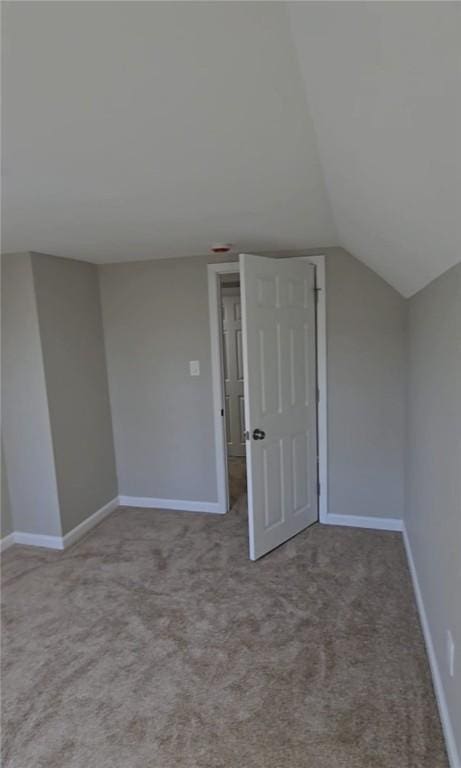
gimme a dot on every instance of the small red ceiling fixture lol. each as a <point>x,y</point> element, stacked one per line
<point>221,248</point>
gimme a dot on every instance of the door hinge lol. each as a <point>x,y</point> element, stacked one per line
<point>222,411</point>
<point>317,291</point>
<point>318,394</point>
<point>318,488</point>
<point>246,435</point>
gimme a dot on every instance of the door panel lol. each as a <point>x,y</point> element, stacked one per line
<point>278,319</point>
<point>273,495</point>
<point>300,460</point>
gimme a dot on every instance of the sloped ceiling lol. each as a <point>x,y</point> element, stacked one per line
<point>149,130</point>
<point>383,81</point>
<point>141,129</point>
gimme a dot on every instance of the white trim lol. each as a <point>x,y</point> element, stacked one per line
<point>322,405</point>
<point>356,521</point>
<point>448,730</point>
<point>38,540</point>
<point>6,542</point>
<point>63,542</point>
<point>180,505</point>
<point>80,530</point>
<point>214,270</point>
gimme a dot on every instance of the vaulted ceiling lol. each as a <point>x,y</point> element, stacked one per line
<point>136,130</point>
<point>383,82</point>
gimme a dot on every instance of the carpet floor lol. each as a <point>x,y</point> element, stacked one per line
<point>155,643</point>
<point>237,477</point>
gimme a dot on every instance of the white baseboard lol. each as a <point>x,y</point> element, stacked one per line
<point>76,533</point>
<point>356,521</point>
<point>180,505</point>
<point>62,542</point>
<point>6,542</point>
<point>448,730</point>
<point>38,540</point>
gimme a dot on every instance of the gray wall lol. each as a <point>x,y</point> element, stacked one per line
<point>433,486</point>
<point>366,390</point>
<point>156,320</point>
<point>6,523</point>
<point>69,314</point>
<point>25,416</point>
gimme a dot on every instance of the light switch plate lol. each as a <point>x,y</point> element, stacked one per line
<point>194,367</point>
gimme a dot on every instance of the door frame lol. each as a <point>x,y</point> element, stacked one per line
<point>233,267</point>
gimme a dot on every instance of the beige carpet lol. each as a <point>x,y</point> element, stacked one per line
<point>156,643</point>
<point>237,474</point>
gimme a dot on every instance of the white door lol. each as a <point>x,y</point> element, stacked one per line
<point>278,331</point>
<point>233,371</point>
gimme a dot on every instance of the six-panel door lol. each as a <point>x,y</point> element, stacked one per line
<point>278,314</point>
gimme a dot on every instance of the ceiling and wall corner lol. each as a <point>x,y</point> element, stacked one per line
<point>383,83</point>
<point>150,130</point>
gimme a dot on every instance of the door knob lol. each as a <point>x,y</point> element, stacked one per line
<point>258,434</point>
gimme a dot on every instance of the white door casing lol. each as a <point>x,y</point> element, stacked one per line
<point>233,371</point>
<point>279,360</point>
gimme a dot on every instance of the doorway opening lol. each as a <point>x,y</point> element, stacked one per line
<point>233,389</point>
<point>282,342</point>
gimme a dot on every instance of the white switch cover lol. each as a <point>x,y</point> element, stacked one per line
<point>194,368</point>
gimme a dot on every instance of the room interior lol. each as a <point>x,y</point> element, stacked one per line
<point>136,630</point>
